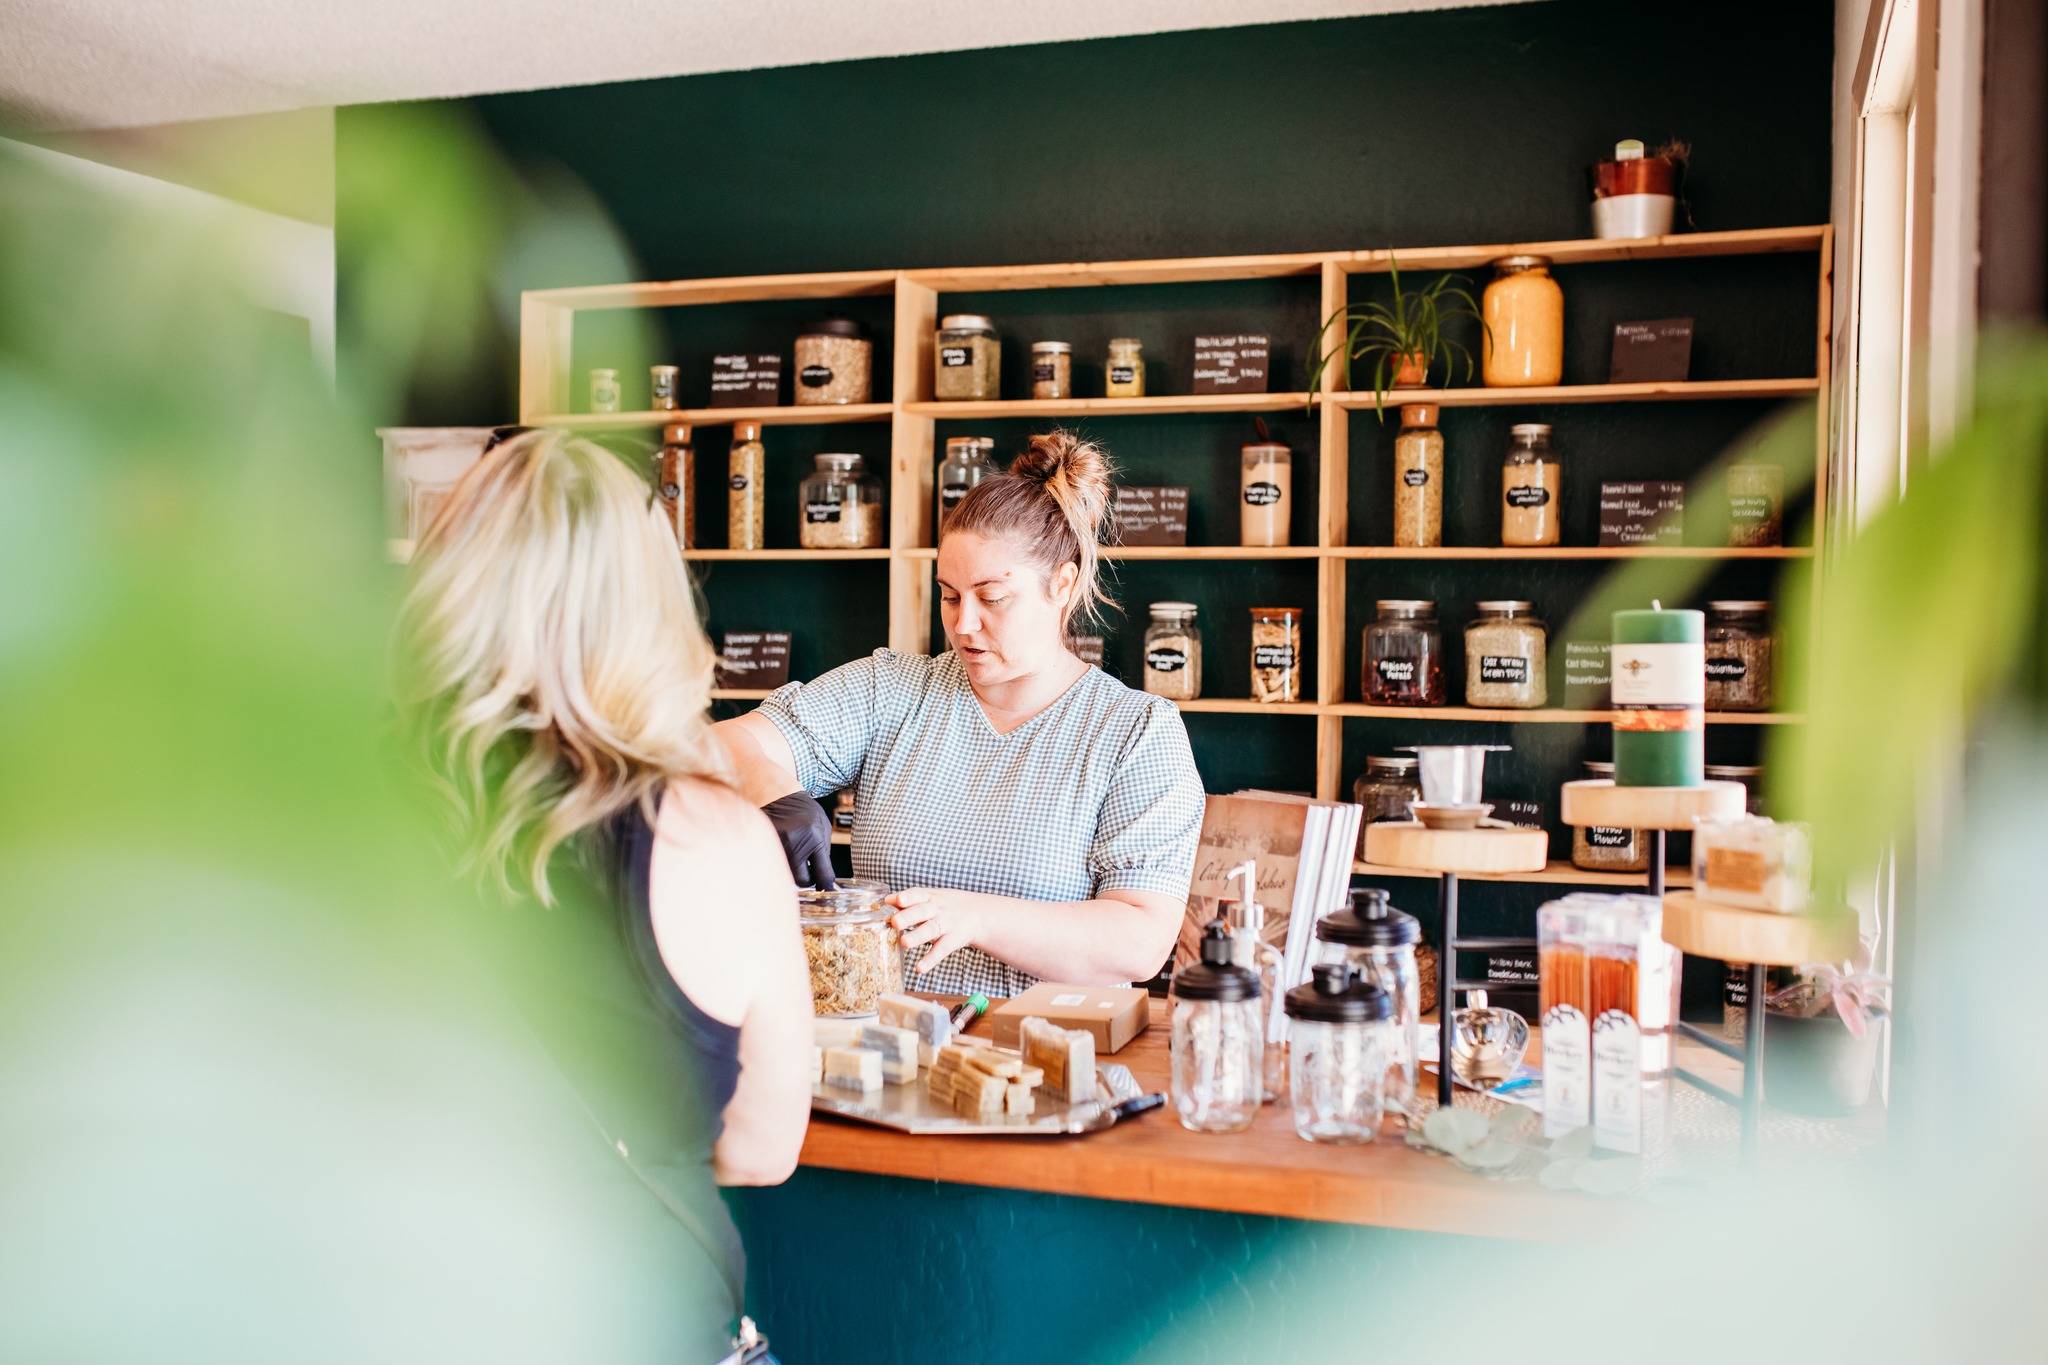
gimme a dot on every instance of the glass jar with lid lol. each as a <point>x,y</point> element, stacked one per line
<point>1600,848</point>
<point>1276,654</point>
<point>853,954</point>
<point>1750,775</point>
<point>1265,493</point>
<point>746,489</point>
<point>841,505</point>
<point>675,482</point>
<point>1052,369</point>
<point>1385,789</point>
<point>1738,656</point>
<point>1380,943</point>
<point>1218,1043</point>
<point>1124,375</point>
<point>663,387</point>
<point>1419,479</point>
<point>1404,654</point>
<point>1522,345</point>
<point>1339,1032</point>
<point>1531,482</point>
<point>967,362</point>
<point>834,362</point>
<point>968,460</point>
<point>1173,652</point>
<point>604,390</point>
<point>1506,656</point>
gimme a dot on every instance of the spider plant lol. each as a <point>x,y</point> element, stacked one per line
<point>1398,335</point>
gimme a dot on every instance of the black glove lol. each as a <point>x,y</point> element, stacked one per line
<point>806,834</point>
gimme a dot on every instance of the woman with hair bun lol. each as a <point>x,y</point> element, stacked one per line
<point>1037,817</point>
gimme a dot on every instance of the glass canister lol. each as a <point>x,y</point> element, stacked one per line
<point>675,482</point>
<point>1380,943</point>
<point>1339,1030</point>
<point>834,361</point>
<point>1218,1044</point>
<point>1404,655</point>
<point>854,955</point>
<point>1052,369</point>
<point>1266,493</point>
<point>1385,789</point>
<point>746,491</point>
<point>967,361</point>
<point>968,460</point>
<point>1419,479</point>
<point>1750,775</point>
<point>1530,484</point>
<point>1124,374</point>
<point>1250,948</point>
<point>662,382</point>
<point>1523,344</point>
<point>1599,848</point>
<point>1738,656</point>
<point>1173,652</point>
<point>1276,654</point>
<point>842,505</point>
<point>1506,656</point>
<point>604,390</point>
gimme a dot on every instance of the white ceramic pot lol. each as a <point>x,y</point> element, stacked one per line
<point>1633,215</point>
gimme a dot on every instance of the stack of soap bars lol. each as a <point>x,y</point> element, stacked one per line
<point>980,1082</point>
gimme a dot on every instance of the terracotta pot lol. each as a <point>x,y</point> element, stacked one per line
<point>1412,372</point>
<point>1816,1066</point>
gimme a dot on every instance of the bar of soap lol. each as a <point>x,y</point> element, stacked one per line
<point>853,1068</point>
<point>1018,1098</point>
<point>926,1018</point>
<point>1067,1056</point>
<point>835,1032</point>
<point>898,1045</point>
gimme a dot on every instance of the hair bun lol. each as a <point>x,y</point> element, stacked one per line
<point>1075,471</point>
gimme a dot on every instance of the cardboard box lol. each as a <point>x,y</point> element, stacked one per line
<point>1112,1014</point>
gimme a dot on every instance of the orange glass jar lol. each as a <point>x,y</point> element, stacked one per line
<point>1523,345</point>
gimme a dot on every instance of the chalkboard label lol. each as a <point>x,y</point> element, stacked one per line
<point>1651,352</point>
<point>1642,514</point>
<point>1151,516</point>
<point>1512,669</point>
<point>1415,478</point>
<point>1512,969</point>
<point>1586,665</point>
<point>1122,374</point>
<point>754,659</point>
<point>1528,495</point>
<point>746,381</point>
<point>1166,660</point>
<point>1273,656</point>
<point>1606,836</point>
<point>821,513</point>
<point>1518,811</point>
<point>1261,493</point>
<point>954,357</point>
<point>815,376</point>
<point>1236,363</point>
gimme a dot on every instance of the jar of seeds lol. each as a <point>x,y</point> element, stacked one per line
<point>1597,848</point>
<point>675,482</point>
<point>604,391</point>
<point>854,956</point>
<point>1738,656</point>
<point>746,493</point>
<point>1506,658</point>
<point>967,362</point>
<point>968,460</point>
<point>1404,654</point>
<point>1419,479</point>
<point>1125,373</point>
<point>1276,654</point>
<point>842,506</point>
<point>1052,369</point>
<point>1173,652</point>
<point>834,362</point>
<point>661,387</point>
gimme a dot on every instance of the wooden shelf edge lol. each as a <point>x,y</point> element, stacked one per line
<point>1554,873</point>
<point>1582,250</point>
<point>1245,706</point>
<point>740,693</point>
<point>786,415</point>
<point>1694,390</point>
<point>1538,716</point>
<point>1591,552</point>
<point>781,556</point>
<point>1084,274</point>
<point>838,284</point>
<point>1154,405</point>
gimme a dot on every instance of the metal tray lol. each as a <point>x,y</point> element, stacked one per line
<point>909,1109</point>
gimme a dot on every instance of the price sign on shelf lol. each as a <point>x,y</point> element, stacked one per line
<point>1235,363</point>
<point>1151,516</point>
<point>1642,514</point>
<point>754,659</point>
<point>1651,352</point>
<point>746,381</point>
<point>1586,667</point>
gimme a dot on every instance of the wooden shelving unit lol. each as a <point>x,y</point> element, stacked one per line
<point>1554,873</point>
<point>547,328</point>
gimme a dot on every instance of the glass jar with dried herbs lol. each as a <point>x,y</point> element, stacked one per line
<point>1600,848</point>
<point>1404,654</point>
<point>854,955</point>
<point>834,362</point>
<point>1052,369</point>
<point>1506,656</point>
<point>675,482</point>
<point>841,505</point>
<point>967,362</point>
<point>1738,656</point>
<point>1419,479</point>
<point>1173,652</point>
<point>1531,483</point>
<point>746,494</point>
<point>1276,654</point>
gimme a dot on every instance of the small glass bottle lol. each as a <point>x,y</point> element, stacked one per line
<point>1419,479</point>
<point>968,359</point>
<point>1265,493</point>
<point>841,505</point>
<point>604,391</point>
<point>746,495</point>
<point>1404,655</point>
<point>1738,656</point>
<point>1506,656</point>
<point>1380,943</point>
<point>1249,948</point>
<point>1173,652</point>
<point>968,460</point>
<point>1600,848</point>
<point>1126,370</point>
<point>1219,1040</point>
<point>1523,343</point>
<point>675,482</point>
<point>1338,1035</point>
<point>1052,369</point>
<point>1276,654</point>
<point>1530,485</point>
<point>661,387</point>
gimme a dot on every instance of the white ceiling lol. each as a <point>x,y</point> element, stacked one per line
<point>85,64</point>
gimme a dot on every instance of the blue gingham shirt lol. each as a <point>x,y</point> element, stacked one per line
<point>1098,792</point>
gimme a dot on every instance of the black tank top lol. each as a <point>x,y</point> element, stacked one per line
<point>711,1047</point>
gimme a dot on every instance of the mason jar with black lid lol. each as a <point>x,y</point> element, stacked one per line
<point>1218,1042</point>
<point>1340,1031</point>
<point>1381,942</point>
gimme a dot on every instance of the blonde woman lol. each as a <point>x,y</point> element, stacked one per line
<point>562,678</point>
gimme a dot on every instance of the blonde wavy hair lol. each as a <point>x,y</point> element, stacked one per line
<point>552,663</point>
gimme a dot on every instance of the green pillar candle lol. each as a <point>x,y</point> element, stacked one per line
<point>1659,693</point>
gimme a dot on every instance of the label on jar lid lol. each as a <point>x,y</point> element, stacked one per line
<point>1415,478</point>
<point>1166,660</point>
<point>1261,493</point>
<point>1395,670</point>
<point>1501,668</point>
<point>1122,374</point>
<point>953,357</point>
<point>821,511</point>
<point>815,376</point>
<point>1273,656</point>
<point>1528,495</point>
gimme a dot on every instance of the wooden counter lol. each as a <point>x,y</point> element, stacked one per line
<point>1265,1170</point>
